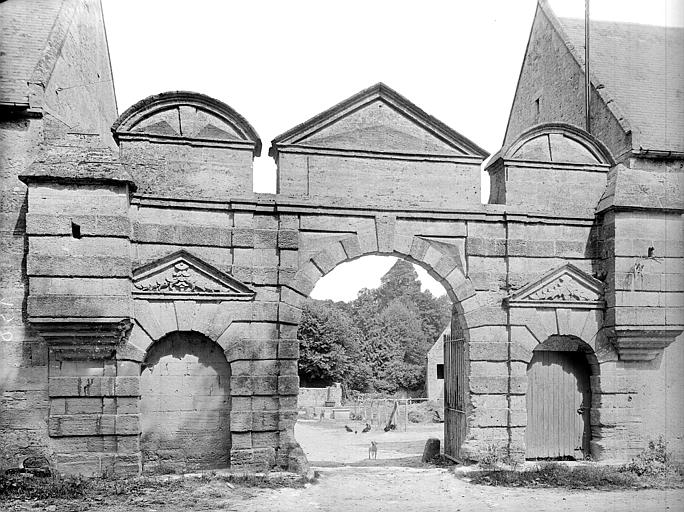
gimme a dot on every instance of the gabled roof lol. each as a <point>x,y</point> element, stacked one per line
<point>375,136</point>
<point>642,68</point>
<point>638,72</point>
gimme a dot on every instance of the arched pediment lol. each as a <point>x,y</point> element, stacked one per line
<point>186,115</point>
<point>559,143</point>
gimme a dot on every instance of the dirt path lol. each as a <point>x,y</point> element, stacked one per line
<point>348,481</point>
<point>401,489</point>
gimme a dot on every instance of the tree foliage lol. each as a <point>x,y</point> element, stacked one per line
<point>378,341</point>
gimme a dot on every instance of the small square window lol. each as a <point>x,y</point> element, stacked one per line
<point>440,371</point>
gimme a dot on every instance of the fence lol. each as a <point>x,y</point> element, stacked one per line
<point>377,411</point>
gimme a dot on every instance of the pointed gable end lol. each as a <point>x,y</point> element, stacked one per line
<point>184,276</point>
<point>377,121</point>
<point>566,287</point>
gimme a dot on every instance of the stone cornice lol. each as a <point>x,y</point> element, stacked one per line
<point>642,343</point>
<point>83,338</point>
<point>276,203</point>
<point>347,153</point>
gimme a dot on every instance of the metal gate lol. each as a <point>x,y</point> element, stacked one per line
<point>455,394</point>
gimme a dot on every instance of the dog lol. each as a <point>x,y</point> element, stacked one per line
<point>373,450</point>
<point>367,428</point>
<point>348,429</point>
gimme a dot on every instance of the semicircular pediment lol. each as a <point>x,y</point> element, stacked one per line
<point>186,115</point>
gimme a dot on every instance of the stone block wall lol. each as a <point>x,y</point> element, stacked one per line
<point>385,182</point>
<point>66,85</point>
<point>316,397</point>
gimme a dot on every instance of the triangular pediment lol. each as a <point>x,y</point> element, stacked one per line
<point>378,120</point>
<point>566,286</point>
<point>184,276</point>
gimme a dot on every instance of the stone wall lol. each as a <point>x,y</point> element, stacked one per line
<point>98,273</point>
<point>184,405</point>
<point>61,97</point>
<point>434,386</point>
<point>316,397</point>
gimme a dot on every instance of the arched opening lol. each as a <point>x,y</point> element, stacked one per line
<point>185,405</point>
<point>375,350</point>
<point>559,399</point>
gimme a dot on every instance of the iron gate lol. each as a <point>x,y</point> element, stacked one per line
<point>455,420</point>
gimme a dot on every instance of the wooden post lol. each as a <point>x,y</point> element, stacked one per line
<point>405,415</point>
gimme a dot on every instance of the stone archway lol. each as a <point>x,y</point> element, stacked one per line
<point>442,262</point>
<point>185,405</point>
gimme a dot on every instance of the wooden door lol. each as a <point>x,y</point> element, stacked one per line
<point>455,421</point>
<point>558,401</point>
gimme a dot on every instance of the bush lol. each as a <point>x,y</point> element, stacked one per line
<point>22,486</point>
<point>651,468</point>
<point>552,474</point>
<point>655,460</point>
<point>492,456</point>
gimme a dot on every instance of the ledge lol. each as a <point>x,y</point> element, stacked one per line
<point>642,344</point>
<point>83,338</point>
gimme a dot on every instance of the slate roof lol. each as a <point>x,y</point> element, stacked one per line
<point>642,69</point>
<point>23,36</point>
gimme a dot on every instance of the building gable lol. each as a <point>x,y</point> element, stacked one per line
<point>377,120</point>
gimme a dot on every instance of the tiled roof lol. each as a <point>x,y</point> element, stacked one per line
<point>642,69</point>
<point>23,35</point>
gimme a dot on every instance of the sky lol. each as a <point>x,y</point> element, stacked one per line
<point>278,63</point>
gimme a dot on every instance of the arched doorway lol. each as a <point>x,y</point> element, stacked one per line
<point>185,405</point>
<point>559,400</point>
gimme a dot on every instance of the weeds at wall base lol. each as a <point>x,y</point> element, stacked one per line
<point>652,468</point>
<point>24,487</point>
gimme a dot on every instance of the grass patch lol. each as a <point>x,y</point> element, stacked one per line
<point>653,468</point>
<point>558,475</point>
<point>22,487</point>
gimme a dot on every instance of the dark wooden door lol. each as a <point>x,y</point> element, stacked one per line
<point>558,401</point>
<point>455,421</point>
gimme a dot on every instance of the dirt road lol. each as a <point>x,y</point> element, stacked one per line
<point>348,481</point>
<point>402,489</point>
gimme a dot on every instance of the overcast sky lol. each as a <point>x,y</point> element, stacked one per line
<point>278,63</point>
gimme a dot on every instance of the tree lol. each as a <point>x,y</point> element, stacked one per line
<point>329,345</point>
<point>379,340</point>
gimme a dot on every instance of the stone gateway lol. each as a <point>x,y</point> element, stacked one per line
<point>150,299</point>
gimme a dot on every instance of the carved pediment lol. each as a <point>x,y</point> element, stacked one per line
<point>183,276</point>
<point>565,287</point>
